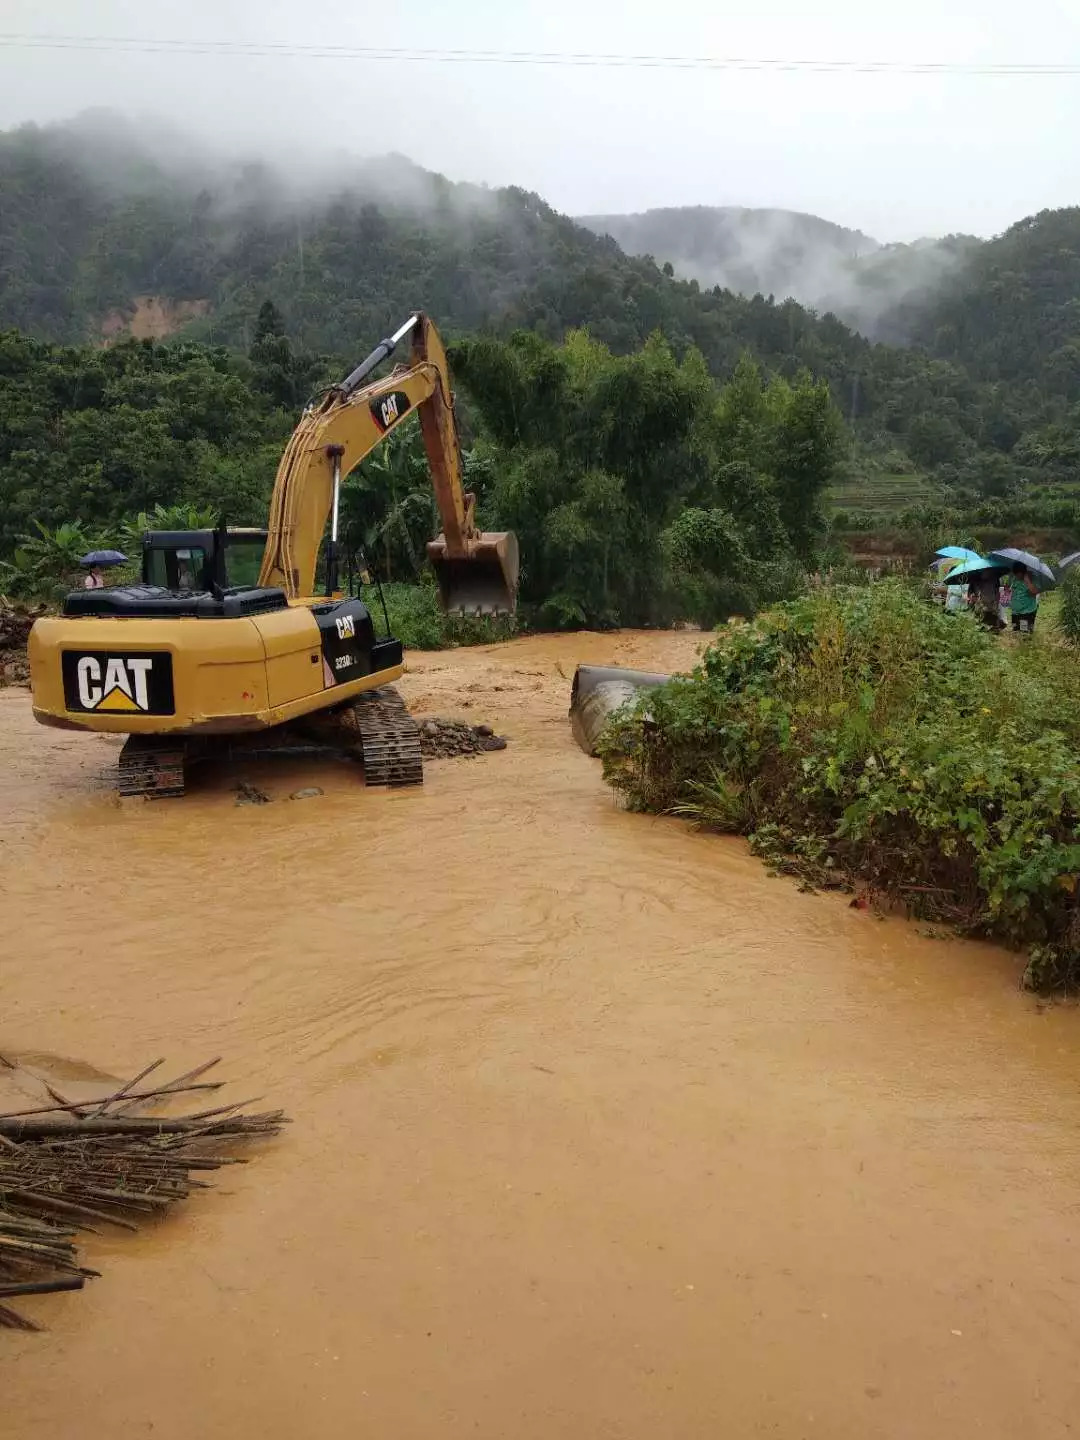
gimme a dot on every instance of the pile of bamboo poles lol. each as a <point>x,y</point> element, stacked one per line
<point>66,1167</point>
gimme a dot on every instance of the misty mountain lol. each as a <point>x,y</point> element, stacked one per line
<point>753,252</point>
<point>891,294</point>
<point>883,291</point>
<point>1013,311</point>
<point>109,228</point>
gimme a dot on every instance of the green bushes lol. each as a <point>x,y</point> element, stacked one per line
<point>640,493</point>
<point>865,733</point>
<point>417,620</point>
<point>1068,617</point>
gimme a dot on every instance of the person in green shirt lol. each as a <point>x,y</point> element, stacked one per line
<point>1025,599</point>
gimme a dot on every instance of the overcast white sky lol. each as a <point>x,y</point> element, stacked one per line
<point>895,155</point>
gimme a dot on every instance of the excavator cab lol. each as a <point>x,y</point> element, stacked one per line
<point>484,580</point>
<point>195,560</point>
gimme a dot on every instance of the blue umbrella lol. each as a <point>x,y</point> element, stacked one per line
<point>104,557</point>
<point>974,570</point>
<point>957,552</point>
<point>1040,572</point>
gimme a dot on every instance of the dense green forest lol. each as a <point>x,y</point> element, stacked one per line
<point>103,230</point>
<point>639,490</point>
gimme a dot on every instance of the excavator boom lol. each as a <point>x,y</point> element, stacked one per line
<point>477,572</point>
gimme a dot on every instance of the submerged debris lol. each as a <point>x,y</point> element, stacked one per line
<point>441,739</point>
<point>248,794</point>
<point>70,1166</point>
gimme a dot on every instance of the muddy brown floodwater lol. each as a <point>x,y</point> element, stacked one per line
<point>598,1130</point>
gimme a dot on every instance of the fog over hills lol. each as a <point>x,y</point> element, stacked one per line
<point>877,288</point>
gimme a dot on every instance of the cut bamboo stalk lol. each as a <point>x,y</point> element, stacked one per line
<point>124,1089</point>
<point>67,1207</point>
<point>42,1287</point>
<point>138,1096</point>
<point>14,1321</point>
<point>62,1169</point>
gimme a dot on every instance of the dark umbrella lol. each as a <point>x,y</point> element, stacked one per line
<point>104,557</point>
<point>1038,569</point>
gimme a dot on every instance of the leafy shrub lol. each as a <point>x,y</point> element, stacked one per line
<point>418,621</point>
<point>866,733</point>
<point>1068,619</point>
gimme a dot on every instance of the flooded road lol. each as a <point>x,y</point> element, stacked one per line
<point>598,1131</point>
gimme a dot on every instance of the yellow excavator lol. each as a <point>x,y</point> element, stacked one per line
<point>190,653</point>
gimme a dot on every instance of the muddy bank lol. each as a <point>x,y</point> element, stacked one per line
<point>15,622</point>
<point>599,1129</point>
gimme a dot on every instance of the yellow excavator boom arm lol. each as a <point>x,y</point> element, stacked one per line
<point>477,573</point>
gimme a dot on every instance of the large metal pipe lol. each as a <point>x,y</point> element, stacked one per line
<point>597,692</point>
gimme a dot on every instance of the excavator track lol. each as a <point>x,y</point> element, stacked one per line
<point>151,765</point>
<point>389,739</point>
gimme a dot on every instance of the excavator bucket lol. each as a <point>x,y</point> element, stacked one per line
<point>483,581</point>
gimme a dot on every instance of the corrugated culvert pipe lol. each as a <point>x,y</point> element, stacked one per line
<point>598,690</point>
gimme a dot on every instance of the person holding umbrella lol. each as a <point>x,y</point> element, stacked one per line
<point>1024,605</point>
<point>982,597</point>
<point>979,579</point>
<point>947,559</point>
<point>1028,576</point>
<point>94,563</point>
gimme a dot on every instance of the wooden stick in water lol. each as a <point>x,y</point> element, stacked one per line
<point>130,1085</point>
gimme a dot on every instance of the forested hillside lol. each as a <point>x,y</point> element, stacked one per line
<point>94,219</point>
<point>753,252</point>
<point>100,226</point>
<point>1013,313</point>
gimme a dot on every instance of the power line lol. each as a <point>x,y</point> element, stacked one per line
<point>114,44</point>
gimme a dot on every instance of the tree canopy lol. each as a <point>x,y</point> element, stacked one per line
<point>639,490</point>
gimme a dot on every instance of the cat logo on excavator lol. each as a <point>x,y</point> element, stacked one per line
<point>387,410</point>
<point>121,684</point>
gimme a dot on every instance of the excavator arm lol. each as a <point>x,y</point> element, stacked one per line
<point>477,572</point>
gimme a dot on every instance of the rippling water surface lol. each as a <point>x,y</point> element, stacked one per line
<point>598,1131</point>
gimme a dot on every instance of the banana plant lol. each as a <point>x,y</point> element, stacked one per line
<point>163,517</point>
<point>47,562</point>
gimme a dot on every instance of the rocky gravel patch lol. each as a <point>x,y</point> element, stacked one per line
<point>442,739</point>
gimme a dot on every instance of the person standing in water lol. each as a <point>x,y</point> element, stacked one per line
<point>1024,604</point>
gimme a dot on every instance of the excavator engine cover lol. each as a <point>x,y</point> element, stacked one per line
<point>484,580</point>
